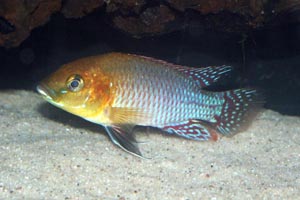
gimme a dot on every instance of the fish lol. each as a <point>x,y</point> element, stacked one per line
<point>121,91</point>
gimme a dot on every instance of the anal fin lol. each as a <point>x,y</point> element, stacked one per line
<point>192,129</point>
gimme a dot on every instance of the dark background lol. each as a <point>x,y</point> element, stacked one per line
<point>267,58</point>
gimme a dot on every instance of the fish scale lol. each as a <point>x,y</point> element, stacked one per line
<point>120,91</point>
<point>171,90</point>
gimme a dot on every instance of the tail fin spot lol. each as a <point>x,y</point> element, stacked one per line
<point>240,105</point>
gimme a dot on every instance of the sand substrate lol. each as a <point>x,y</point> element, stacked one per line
<point>47,153</point>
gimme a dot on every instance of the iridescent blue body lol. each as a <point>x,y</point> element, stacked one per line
<point>120,91</point>
<point>174,99</point>
<point>165,93</point>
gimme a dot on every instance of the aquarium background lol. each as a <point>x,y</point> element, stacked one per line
<point>47,153</point>
<point>267,58</point>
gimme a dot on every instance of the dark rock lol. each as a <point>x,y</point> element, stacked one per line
<point>18,18</point>
<point>125,7</point>
<point>5,26</point>
<point>147,17</point>
<point>152,21</point>
<point>140,18</point>
<point>79,8</point>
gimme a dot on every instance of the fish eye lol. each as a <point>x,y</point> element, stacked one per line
<point>75,83</point>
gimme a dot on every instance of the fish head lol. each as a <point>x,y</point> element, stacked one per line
<point>79,87</point>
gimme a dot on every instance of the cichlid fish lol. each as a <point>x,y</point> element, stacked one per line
<point>120,91</point>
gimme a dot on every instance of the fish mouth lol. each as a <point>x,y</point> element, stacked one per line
<point>49,95</point>
<point>44,91</point>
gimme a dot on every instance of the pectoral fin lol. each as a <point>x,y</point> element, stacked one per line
<point>127,115</point>
<point>123,137</point>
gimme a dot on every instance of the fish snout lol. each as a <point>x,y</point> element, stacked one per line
<point>45,91</point>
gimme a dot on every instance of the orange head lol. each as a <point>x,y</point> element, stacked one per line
<point>79,87</point>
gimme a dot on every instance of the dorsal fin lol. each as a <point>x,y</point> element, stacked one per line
<point>204,76</point>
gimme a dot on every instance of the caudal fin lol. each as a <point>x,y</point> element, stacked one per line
<point>240,107</point>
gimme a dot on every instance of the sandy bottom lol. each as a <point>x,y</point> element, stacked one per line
<point>49,154</point>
